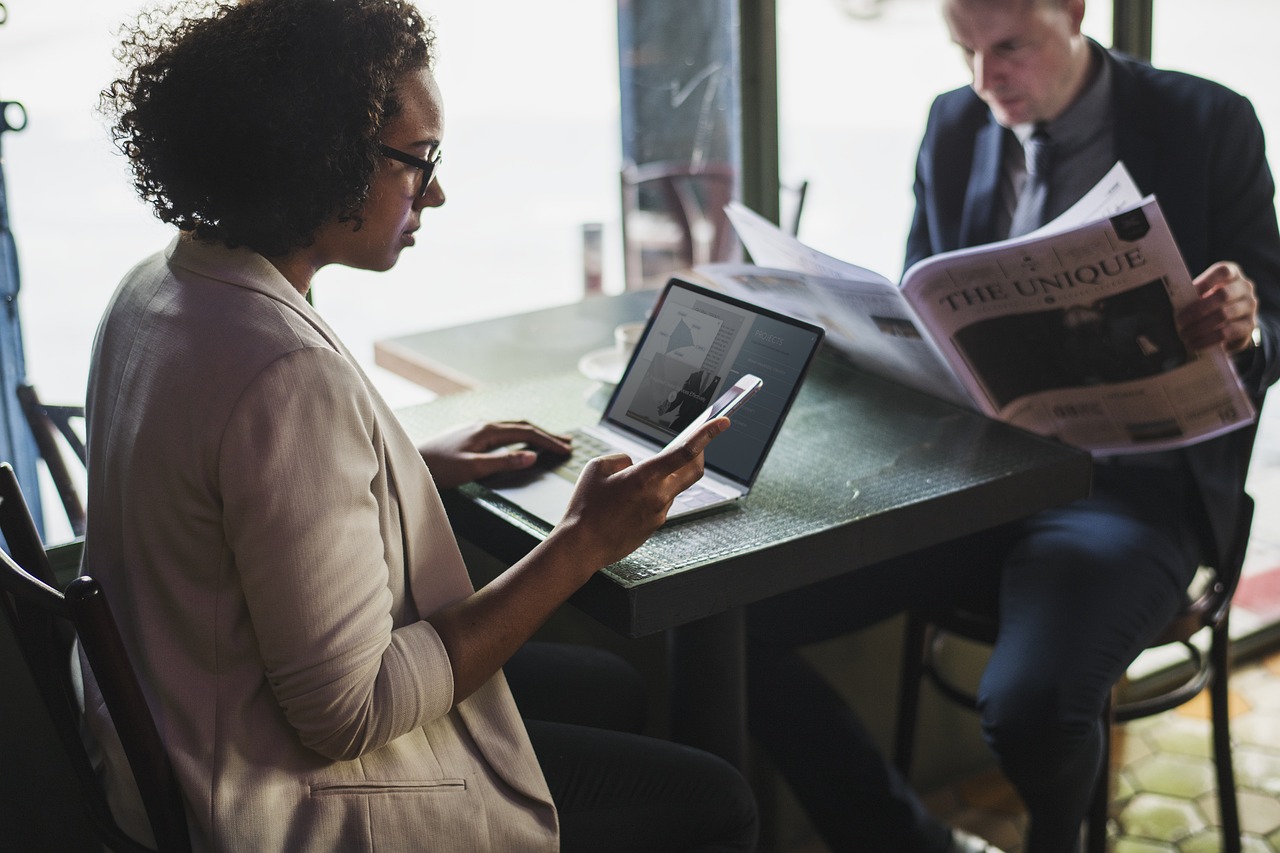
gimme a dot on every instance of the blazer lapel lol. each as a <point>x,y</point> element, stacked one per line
<point>505,742</point>
<point>978,220</point>
<point>1137,135</point>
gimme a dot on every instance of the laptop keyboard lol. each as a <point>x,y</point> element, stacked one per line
<point>587,447</point>
<point>695,497</point>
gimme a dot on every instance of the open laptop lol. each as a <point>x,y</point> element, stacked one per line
<point>696,343</point>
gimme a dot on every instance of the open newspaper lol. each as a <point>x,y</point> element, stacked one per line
<point>1068,331</point>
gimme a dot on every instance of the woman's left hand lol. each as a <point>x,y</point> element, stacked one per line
<point>476,450</point>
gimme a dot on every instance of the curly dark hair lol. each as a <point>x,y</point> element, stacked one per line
<point>252,123</point>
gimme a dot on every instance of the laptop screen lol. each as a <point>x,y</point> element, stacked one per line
<point>697,343</point>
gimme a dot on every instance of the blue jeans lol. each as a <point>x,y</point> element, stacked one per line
<point>1079,590</point>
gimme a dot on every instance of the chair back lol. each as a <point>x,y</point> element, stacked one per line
<point>1210,607</point>
<point>45,622</point>
<point>50,425</point>
<point>673,218</point>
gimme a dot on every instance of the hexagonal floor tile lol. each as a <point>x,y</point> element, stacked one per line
<point>1256,768</point>
<point>1160,818</point>
<point>1182,776</point>
<point>1181,735</point>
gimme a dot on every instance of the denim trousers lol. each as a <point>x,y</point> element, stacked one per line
<point>1078,591</point>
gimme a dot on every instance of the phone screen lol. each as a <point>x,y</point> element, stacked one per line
<point>724,405</point>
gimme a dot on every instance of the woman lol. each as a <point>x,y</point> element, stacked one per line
<point>324,675</point>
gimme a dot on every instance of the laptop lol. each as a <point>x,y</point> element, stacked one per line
<point>696,342</point>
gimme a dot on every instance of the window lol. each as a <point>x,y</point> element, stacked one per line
<point>855,81</point>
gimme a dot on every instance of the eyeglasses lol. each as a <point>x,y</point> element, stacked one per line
<point>427,167</point>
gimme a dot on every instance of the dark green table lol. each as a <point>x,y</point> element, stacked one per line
<point>863,470</point>
<point>461,358</point>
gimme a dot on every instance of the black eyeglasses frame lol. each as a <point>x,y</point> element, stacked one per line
<point>427,167</point>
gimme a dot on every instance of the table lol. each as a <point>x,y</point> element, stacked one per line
<point>462,358</point>
<point>862,471</point>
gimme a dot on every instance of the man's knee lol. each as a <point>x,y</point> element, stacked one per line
<point>1036,725</point>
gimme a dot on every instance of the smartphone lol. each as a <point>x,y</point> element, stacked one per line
<point>724,405</point>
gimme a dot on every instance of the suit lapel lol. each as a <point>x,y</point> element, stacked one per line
<point>1136,135</point>
<point>492,712</point>
<point>978,221</point>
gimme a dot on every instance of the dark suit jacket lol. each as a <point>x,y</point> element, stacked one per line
<point>1198,147</point>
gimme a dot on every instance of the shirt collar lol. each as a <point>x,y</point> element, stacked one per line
<point>1087,112</point>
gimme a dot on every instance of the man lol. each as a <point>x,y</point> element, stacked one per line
<point>1081,589</point>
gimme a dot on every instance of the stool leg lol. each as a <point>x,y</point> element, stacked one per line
<point>1222,760</point>
<point>914,639</point>
<point>1096,839</point>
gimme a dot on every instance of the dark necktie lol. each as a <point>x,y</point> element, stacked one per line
<point>1030,211</point>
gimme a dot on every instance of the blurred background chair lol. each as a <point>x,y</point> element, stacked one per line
<point>45,622</point>
<point>673,218</point>
<point>57,429</point>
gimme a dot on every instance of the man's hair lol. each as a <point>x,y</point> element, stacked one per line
<point>253,123</point>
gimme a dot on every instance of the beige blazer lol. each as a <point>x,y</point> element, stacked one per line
<point>270,540</point>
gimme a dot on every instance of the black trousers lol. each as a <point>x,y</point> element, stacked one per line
<point>616,789</point>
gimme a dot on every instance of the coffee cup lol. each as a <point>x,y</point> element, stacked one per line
<point>626,336</point>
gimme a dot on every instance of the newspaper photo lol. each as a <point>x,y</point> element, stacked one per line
<point>1069,331</point>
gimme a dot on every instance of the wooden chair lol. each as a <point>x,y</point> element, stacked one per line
<point>691,199</point>
<point>45,622</point>
<point>1210,609</point>
<point>49,425</point>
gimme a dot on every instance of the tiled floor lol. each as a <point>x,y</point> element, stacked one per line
<point>1164,793</point>
<point>1165,798</point>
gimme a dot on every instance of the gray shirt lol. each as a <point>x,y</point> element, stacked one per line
<point>1083,147</point>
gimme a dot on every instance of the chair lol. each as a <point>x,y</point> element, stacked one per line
<point>45,622</point>
<point>47,424</point>
<point>673,218</point>
<point>926,633</point>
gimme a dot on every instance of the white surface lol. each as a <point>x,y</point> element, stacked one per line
<point>603,365</point>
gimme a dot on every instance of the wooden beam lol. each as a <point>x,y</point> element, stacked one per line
<point>1131,27</point>
<point>758,64</point>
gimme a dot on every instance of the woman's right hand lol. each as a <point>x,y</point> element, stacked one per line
<point>615,508</point>
<point>617,505</point>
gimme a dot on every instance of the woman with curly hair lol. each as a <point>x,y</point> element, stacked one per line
<point>324,675</point>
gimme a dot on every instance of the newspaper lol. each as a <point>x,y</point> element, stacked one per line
<point>1068,331</point>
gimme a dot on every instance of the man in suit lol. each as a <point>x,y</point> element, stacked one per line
<point>1080,589</point>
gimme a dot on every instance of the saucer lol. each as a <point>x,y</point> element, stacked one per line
<point>603,365</point>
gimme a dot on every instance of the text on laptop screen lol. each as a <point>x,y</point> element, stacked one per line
<point>698,343</point>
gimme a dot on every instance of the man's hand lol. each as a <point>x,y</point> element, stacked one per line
<point>476,450</point>
<point>1226,312</point>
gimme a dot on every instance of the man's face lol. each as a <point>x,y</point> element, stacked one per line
<point>1028,57</point>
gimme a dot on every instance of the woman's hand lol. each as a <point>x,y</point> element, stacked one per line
<point>476,450</point>
<point>617,505</point>
<point>1226,312</point>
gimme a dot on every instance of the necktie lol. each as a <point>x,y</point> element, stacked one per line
<point>1030,211</point>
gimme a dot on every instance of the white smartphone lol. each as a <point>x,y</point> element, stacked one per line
<point>724,405</point>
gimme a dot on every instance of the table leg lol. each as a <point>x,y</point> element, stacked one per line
<point>706,660</point>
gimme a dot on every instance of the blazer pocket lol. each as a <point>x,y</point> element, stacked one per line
<point>374,787</point>
<point>389,816</point>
